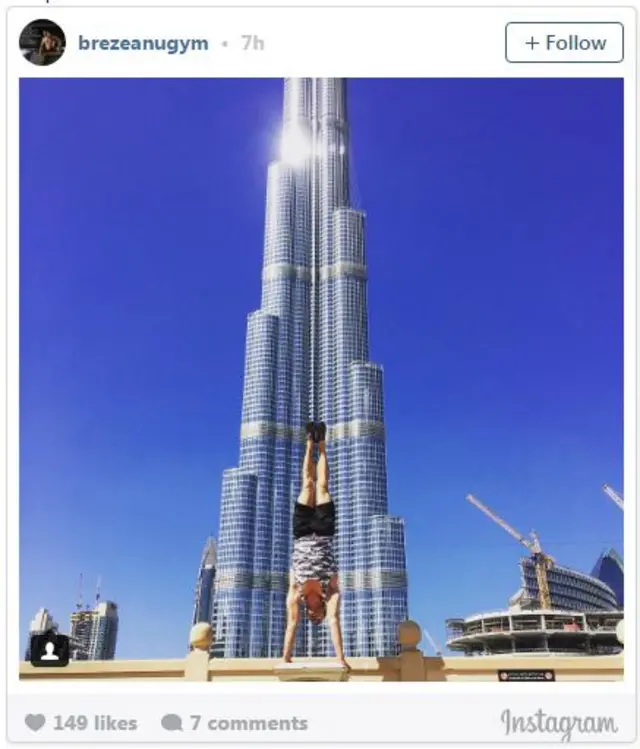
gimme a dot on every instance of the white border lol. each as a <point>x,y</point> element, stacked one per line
<point>353,42</point>
<point>419,66</point>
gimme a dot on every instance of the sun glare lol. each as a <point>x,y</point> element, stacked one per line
<point>296,147</point>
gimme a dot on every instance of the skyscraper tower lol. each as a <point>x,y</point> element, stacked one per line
<point>307,354</point>
<point>203,603</point>
<point>104,634</point>
<point>610,569</point>
<point>42,622</point>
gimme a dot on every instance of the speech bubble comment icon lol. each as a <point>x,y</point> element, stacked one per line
<point>171,722</point>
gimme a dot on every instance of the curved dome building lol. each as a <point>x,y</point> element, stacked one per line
<point>582,619</point>
<point>570,590</point>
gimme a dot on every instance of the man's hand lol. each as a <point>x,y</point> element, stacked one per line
<point>333,618</point>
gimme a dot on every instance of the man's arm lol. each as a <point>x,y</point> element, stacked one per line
<point>293,616</point>
<point>333,618</point>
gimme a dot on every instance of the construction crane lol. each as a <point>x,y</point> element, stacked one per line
<point>79,601</point>
<point>432,642</point>
<point>543,562</point>
<point>612,494</point>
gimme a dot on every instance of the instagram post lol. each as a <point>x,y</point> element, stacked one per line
<point>321,377</point>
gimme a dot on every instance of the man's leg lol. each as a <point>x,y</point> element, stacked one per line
<point>322,486</point>
<point>307,492</point>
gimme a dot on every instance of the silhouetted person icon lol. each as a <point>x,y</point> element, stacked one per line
<point>49,655</point>
<point>49,649</point>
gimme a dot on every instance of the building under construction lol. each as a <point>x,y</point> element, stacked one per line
<point>556,610</point>
<point>536,632</point>
<point>94,631</point>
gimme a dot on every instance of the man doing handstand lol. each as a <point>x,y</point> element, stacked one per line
<point>314,574</point>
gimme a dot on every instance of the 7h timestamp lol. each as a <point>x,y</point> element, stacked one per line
<point>98,723</point>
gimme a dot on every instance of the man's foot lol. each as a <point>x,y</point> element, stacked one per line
<point>311,432</point>
<point>321,432</point>
<point>345,665</point>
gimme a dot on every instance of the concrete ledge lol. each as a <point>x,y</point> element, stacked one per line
<point>310,671</point>
<point>456,668</point>
<point>567,663</point>
<point>151,669</point>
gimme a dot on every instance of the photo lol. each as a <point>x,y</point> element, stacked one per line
<point>304,363</point>
<point>42,42</point>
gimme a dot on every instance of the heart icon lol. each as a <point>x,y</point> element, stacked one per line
<point>34,722</point>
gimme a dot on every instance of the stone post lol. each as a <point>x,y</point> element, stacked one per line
<point>411,659</point>
<point>196,667</point>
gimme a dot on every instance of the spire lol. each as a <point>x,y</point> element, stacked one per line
<point>331,101</point>
<point>297,124</point>
<point>209,553</point>
<point>315,127</point>
<point>298,100</point>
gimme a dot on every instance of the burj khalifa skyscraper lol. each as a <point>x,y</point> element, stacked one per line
<point>307,359</point>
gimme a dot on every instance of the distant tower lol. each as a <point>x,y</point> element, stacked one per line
<point>94,632</point>
<point>42,622</point>
<point>610,570</point>
<point>203,603</point>
<point>307,358</point>
<point>104,633</point>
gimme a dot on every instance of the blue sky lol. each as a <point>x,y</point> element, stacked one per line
<point>494,241</point>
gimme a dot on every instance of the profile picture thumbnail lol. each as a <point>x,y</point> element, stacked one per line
<point>42,42</point>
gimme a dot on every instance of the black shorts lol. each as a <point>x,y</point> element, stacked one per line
<point>320,520</point>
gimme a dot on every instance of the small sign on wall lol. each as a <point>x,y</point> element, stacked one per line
<point>526,675</point>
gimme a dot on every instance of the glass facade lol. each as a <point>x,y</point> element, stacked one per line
<point>94,633</point>
<point>104,634</point>
<point>307,355</point>
<point>570,590</point>
<point>610,570</point>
